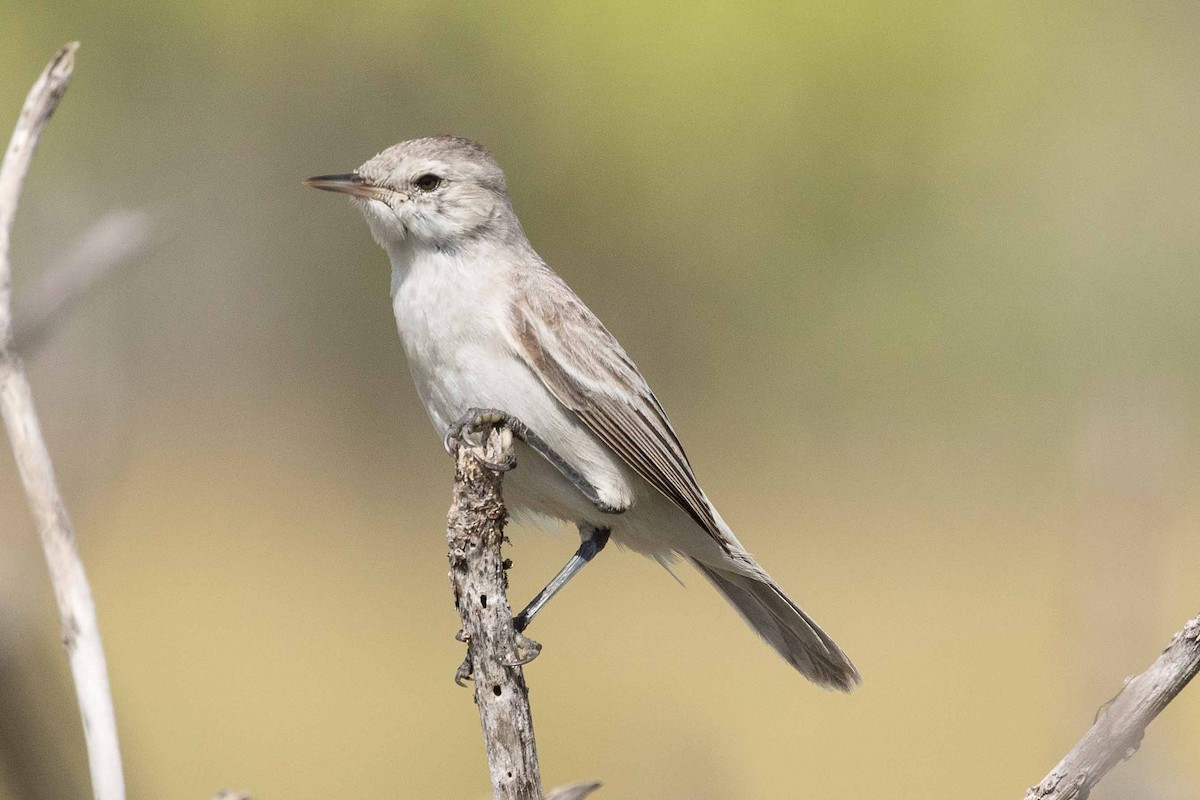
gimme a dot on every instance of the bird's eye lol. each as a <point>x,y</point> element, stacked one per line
<point>427,182</point>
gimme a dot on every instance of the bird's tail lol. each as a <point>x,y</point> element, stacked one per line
<point>784,626</point>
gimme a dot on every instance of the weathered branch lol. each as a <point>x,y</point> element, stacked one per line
<point>475,531</point>
<point>1117,732</point>
<point>495,651</point>
<point>112,242</point>
<point>81,633</point>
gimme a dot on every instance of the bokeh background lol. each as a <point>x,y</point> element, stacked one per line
<point>917,282</point>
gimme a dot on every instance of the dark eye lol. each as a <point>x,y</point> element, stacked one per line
<point>427,182</point>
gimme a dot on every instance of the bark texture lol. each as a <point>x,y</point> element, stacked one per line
<point>475,532</point>
<point>73,593</point>
<point>1119,727</point>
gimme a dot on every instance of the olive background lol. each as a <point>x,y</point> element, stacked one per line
<point>916,281</point>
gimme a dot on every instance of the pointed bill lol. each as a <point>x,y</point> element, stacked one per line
<point>350,183</point>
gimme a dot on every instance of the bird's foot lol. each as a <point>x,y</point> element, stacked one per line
<point>481,421</point>
<point>464,673</point>
<point>524,651</point>
<point>466,670</point>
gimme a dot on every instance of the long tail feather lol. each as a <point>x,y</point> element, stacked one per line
<point>784,626</point>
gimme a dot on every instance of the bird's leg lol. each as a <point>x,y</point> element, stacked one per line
<point>593,541</point>
<point>477,419</point>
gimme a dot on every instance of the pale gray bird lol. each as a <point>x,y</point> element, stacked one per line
<point>493,335</point>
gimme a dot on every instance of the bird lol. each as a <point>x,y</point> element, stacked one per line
<point>494,337</point>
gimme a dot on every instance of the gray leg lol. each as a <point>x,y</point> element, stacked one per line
<point>593,542</point>
<point>478,418</point>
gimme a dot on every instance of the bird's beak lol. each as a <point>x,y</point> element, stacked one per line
<point>350,183</point>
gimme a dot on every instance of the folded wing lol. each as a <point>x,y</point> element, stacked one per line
<point>584,367</point>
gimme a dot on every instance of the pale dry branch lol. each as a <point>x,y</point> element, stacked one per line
<point>495,650</point>
<point>112,242</point>
<point>1119,727</point>
<point>77,609</point>
<point>475,531</point>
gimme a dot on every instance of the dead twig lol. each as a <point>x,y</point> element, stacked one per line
<point>81,633</point>
<point>1119,727</point>
<point>475,531</point>
<point>495,651</point>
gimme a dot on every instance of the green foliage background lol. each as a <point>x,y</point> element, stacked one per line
<point>916,281</point>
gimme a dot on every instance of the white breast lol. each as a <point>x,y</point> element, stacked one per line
<point>452,312</point>
<point>447,319</point>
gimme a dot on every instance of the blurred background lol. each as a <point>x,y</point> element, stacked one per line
<point>916,281</point>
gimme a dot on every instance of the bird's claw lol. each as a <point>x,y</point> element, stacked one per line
<point>464,673</point>
<point>466,670</point>
<point>482,421</point>
<point>524,651</point>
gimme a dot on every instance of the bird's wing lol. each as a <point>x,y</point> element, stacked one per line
<point>584,367</point>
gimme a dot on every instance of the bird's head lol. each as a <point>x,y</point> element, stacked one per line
<point>440,192</point>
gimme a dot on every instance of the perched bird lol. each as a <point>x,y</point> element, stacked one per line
<point>493,336</point>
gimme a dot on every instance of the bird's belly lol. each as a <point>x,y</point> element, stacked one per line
<point>452,381</point>
<point>479,375</point>
<point>537,488</point>
<point>652,525</point>
<point>482,375</point>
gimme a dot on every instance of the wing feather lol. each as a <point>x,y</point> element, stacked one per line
<point>584,367</point>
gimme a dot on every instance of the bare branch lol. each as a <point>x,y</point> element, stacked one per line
<point>114,241</point>
<point>81,633</point>
<point>495,650</point>
<point>39,106</point>
<point>475,530</point>
<point>1119,727</point>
